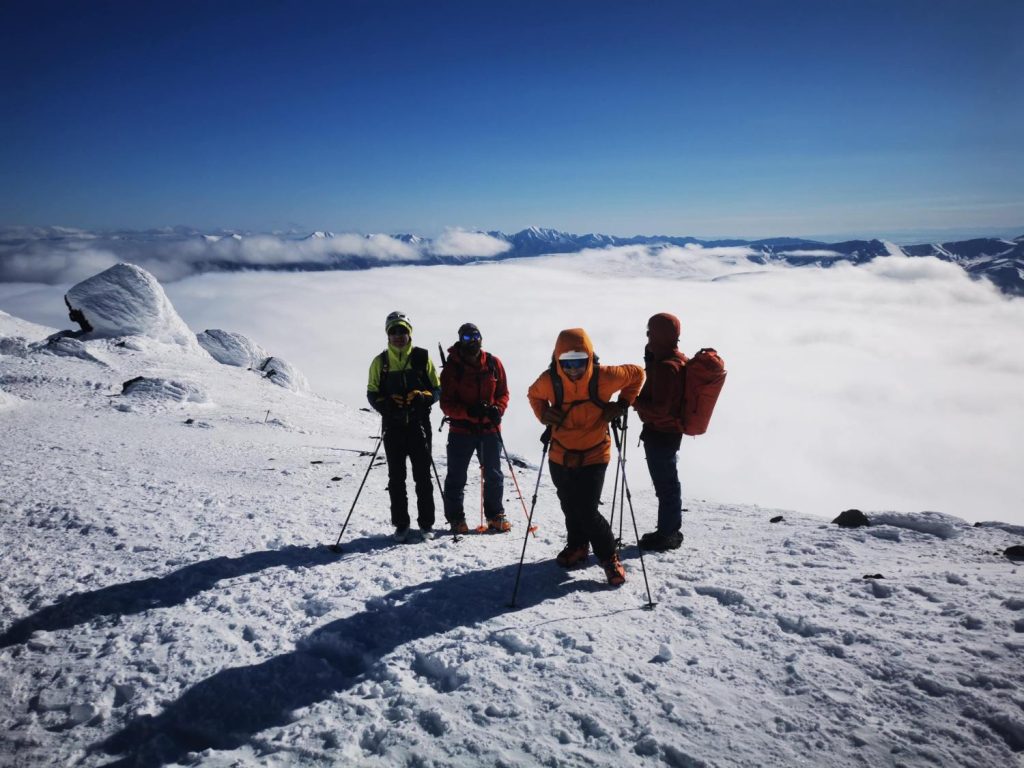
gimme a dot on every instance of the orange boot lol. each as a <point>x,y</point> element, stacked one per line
<point>613,570</point>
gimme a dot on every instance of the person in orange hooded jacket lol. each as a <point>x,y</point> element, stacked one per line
<point>580,446</point>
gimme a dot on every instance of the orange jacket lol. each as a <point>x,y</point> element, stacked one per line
<point>584,433</point>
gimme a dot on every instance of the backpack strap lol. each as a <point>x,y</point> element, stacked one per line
<point>592,388</point>
<point>417,362</point>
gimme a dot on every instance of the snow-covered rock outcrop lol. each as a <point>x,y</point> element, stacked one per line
<point>235,349</point>
<point>126,300</point>
<point>284,374</point>
<point>232,348</point>
<point>158,389</point>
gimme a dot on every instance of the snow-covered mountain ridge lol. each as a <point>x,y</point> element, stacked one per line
<point>47,255</point>
<point>167,600</point>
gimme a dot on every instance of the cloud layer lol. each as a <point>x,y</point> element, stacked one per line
<point>64,256</point>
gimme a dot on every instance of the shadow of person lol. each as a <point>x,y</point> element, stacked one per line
<point>225,710</point>
<point>170,590</point>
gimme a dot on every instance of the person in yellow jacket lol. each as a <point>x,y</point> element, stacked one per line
<point>573,398</point>
<point>402,386</point>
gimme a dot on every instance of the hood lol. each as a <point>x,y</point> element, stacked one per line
<point>663,332</point>
<point>573,340</point>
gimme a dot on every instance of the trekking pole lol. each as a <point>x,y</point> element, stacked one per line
<point>615,491</point>
<point>629,496</point>
<point>546,439</point>
<point>522,500</point>
<point>482,528</point>
<point>622,457</point>
<point>337,544</point>
<point>426,444</point>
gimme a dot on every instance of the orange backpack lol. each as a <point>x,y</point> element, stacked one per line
<point>705,377</point>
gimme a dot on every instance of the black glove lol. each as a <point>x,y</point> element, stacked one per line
<point>494,414</point>
<point>476,411</point>
<point>612,411</point>
<point>552,417</point>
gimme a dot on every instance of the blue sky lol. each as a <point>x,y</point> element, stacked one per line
<point>710,119</point>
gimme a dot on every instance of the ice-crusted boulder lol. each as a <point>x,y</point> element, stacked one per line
<point>284,374</point>
<point>157,389</point>
<point>231,348</point>
<point>126,300</point>
<point>66,346</point>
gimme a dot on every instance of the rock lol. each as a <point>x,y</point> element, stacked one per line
<point>1016,552</point>
<point>230,348</point>
<point>126,300</point>
<point>777,519</point>
<point>156,389</point>
<point>852,518</point>
<point>284,374</point>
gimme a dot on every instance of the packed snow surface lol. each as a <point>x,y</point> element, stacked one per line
<point>167,599</point>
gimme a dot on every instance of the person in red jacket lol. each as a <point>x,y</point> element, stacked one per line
<point>474,396</point>
<point>659,406</point>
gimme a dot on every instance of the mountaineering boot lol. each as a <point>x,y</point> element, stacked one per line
<point>613,570</point>
<point>572,556</point>
<point>657,541</point>
<point>499,524</point>
<point>459,527</point>
<point>401,534</point>
<point>426,534</point>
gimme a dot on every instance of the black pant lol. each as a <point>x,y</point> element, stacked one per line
<point>409,441</point>
<point>579,492</point>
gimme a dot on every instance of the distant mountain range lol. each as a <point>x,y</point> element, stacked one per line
<point>998,259</point>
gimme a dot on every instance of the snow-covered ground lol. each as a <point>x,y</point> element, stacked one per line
<point>168,599</point>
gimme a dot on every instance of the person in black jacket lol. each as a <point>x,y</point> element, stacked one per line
<point>402,386</point>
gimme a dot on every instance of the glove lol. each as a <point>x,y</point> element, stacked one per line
<point>417,396</point>
<point>493,414</point>
<point>612,411</point>
<point>553,417</point>
<point>475,411</point>
<point>398,401</point>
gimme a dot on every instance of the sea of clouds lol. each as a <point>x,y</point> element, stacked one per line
<point>61,255</point>
<point>888,386</point>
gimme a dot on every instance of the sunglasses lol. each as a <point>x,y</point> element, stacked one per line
<point>572,365</point>
<point>398,332</point>
<point>467,337</point>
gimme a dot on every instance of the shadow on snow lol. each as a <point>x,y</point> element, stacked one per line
<point>170,590</point>
<point>225,710</point>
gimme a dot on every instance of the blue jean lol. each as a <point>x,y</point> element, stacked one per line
<point>662,457</point>
<point>461,448</point>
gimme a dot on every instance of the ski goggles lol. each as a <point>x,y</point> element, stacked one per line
<point>468,337</point>
<point>573,365</point>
